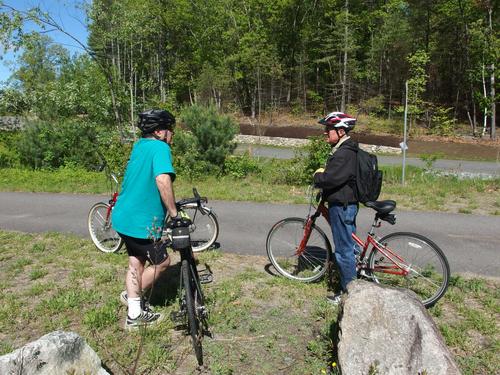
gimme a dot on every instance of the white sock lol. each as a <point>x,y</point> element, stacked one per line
<point>134,307</point>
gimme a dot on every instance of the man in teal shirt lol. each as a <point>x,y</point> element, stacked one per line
<point>146,195</point>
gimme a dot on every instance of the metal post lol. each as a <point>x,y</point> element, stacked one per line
<point>403,145</point>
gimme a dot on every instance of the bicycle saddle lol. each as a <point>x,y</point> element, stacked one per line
<point>382,207</point>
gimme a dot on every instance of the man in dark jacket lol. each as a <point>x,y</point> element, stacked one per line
<point>338,181</point>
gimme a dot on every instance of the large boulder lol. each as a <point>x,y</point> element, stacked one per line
<point>388,331</point>
<point>55,353</point>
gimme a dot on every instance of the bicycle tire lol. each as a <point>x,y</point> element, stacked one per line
<point>204,229</point>
<point>282,242</point>
<point>429,271</point>
<point>104,237</point>
<point>194,323</point>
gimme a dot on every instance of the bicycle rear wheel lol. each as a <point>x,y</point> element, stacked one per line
<point>282,243</point>
<point>102,234</point>
<point>428,270</point>
<point>192,299</point>
<point>204,229</point>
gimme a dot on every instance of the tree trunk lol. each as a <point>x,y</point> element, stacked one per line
<point>492,85</point>
<point>485,109</point>
<point>471,123</point>
<point>289,92</point>
<point>390,99</point>
<point>254,99</point>
<point>474,115</point>
<point>259,90</point>
<point>304,86</point>
<point>493,105</point>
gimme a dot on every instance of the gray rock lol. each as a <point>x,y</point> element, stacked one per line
<point>11,123</point>
<point>56,353</point>
<point>389,331</point>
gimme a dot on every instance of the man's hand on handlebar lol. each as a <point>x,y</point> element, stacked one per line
<point>181,220</point>
<point>319,170</point>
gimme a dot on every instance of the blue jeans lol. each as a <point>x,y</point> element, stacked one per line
<point>343,224</point>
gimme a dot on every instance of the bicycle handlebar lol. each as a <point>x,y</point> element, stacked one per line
<point>196,199</point>
<point>114,177</point>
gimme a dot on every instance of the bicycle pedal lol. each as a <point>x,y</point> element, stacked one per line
<point>208,333</point>
<point>206,278</point>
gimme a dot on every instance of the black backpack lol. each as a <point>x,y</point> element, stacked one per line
<point>368,177</point>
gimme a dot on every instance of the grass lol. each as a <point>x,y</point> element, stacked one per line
<point>260,324</point>
<point>422,191</point>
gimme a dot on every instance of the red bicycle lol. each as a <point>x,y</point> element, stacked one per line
<point>104,237</point>
<point>300,250</point>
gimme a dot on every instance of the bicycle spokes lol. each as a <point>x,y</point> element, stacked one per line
<point>419,265</point>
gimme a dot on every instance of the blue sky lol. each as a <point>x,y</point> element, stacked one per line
<point>67,13</point>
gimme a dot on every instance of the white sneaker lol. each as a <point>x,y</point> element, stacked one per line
<point>144,319</point>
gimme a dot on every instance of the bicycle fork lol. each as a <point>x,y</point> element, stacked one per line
<point>111,204</point>
<point>307,233</point>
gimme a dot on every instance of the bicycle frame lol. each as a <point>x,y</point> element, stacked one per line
<point>367,246</point>
<point>113,199</point>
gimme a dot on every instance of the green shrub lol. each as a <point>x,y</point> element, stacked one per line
<point>441,123</point>
<point>300,169</point>
<point>317,153</point>
<point>430,159</point>
<point>373,105</point>
<point>212,135</point>
<point>114,150</point>
<point>376,124</point>
<point>289,172</point>
<point>187,160</point>
<point>52,145</point>
<point>9,156</point>
<point>240,166</point>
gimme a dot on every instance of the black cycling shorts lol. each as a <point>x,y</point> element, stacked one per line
<point>155,252</point>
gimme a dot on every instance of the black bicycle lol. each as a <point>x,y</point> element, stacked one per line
<point>191,300</point>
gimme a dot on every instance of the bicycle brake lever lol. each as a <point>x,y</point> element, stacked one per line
<point>318,196</point>
<point>195,193</point>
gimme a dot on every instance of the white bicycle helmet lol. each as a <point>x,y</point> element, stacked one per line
<point>338,120</point>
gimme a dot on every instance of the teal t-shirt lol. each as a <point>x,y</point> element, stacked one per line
<point>139,211</point>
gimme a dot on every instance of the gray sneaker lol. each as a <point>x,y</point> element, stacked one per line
<point>145,319</point>
<point>144,304</point>
<point>335,299</point>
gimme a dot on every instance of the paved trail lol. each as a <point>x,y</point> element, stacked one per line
<point>463,167</point>
<point>471,243</point>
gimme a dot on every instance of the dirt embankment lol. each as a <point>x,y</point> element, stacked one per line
<point>472,149</point>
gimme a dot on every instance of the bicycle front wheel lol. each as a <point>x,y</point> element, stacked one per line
<point>192,300</point>
<point>204,229</point>
<point>282,246</point>
<point>102,234</point>
<point>428,272</point>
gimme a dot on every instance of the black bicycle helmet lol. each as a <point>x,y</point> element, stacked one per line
<point>338,120</point>
<point>154,119</point>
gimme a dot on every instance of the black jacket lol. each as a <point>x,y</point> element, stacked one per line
<point>338,181</point>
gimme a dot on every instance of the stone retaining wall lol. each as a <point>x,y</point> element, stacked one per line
<point>11,123</point>
<point>296,142</point>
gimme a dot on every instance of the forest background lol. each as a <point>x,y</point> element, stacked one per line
<point>254,59</point>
